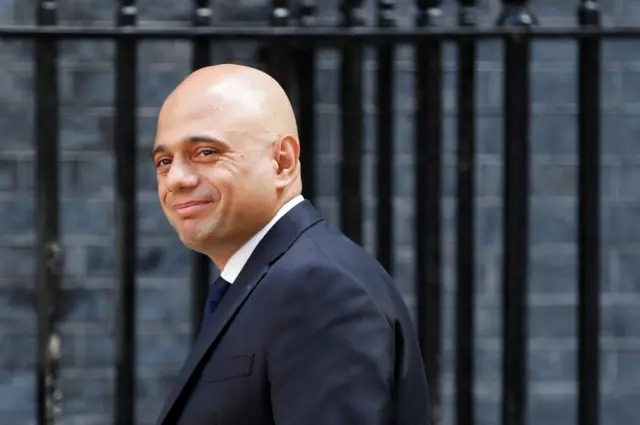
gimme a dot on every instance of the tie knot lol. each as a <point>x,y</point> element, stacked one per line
<point>218,289</point>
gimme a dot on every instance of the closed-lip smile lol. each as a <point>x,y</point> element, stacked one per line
<point>191,208</point>
<point>189,204</point>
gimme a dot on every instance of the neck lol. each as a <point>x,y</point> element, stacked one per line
<point>227,250</point>
<point>222,256</point>
<point>220,260</point>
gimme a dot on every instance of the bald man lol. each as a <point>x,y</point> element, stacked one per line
<point>303,327</point>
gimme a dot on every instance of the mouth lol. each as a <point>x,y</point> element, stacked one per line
<point>191,208</point>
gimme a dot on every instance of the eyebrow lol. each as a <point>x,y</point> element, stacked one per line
<point>191,140</point>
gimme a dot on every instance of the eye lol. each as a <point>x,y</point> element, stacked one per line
<point>208,152</point>
<point>163,161</point>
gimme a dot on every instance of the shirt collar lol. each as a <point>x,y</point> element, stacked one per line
<point>239,259</point>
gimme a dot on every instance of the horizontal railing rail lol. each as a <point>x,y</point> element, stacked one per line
<point>316,35</point>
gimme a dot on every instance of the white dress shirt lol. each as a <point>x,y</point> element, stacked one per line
<point>239,259</point>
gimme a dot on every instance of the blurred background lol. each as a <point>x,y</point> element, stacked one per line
<point>97,293</point>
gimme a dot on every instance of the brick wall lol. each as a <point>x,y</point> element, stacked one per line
<point>162,320</point>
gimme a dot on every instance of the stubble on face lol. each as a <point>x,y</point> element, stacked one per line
<point>194,233</point>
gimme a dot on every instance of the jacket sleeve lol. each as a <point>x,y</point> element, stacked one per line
<point>331,353</point>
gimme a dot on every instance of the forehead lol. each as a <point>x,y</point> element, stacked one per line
<point>188,114</point>
<point>182,125</point>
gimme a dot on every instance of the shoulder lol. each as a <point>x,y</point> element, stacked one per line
<point>324,269</point>
<point>322,255</point>
<point>322,247</point>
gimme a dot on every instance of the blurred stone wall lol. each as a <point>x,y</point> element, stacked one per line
<point>86,81</point>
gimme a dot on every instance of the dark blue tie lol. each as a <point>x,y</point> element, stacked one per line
<point>216,292</point>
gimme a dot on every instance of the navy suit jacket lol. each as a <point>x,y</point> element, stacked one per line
<point>312,332</point>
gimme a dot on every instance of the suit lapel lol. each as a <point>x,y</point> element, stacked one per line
<point>277,241</point>
<point>233,299</point>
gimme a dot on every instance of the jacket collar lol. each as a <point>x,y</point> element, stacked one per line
<point>238,260</point>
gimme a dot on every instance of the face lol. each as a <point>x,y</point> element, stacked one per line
<point>217,180</point>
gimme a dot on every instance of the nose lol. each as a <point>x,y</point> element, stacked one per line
<point>181,176</point>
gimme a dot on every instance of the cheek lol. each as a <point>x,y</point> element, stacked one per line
<point>234,179</point>
<point>217,183</point>
<point>163,205</point>
<point>163,195</point>
<point>162,192</point>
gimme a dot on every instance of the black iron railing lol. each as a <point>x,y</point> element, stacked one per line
<point>291,43</point>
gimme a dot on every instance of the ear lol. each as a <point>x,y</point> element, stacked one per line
<point>286,155</point>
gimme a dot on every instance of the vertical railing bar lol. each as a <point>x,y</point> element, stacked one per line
<point>305,65</point>
<point>465,226</point>
<point>516,215</point>
<point>428,260</point>
<point>125,152</point>
<point>351,125</point>
<point>589,87</point>
<point>49,247</point>
<point>278,65</point>
<point>385,148</point>
<point>200,263</point>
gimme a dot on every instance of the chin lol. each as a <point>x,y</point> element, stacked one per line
<point>191,241</point>
<point>197,235</point>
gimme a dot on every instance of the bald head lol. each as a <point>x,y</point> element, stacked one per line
<point>227,157</point>
<point>249,98</point>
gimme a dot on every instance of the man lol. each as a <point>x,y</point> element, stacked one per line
<point>303,327</point>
